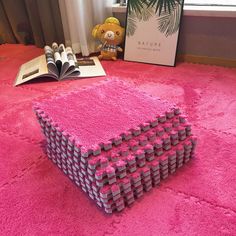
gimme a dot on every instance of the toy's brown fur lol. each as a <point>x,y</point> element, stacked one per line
<point>111,34</point>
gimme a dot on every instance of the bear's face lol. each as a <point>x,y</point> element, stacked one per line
<point>110,33</point>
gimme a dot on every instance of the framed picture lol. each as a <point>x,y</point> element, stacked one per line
<point>152,30</point>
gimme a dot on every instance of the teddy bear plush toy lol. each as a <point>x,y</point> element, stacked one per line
<point>110,34</point>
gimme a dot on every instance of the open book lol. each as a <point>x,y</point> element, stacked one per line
<point>59,63</point>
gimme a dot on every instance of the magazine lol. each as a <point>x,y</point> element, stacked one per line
<point>59,62</point>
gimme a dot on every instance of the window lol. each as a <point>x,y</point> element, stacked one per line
<point>200,2</point>
<point>210,2</point>
<point>210,8</point>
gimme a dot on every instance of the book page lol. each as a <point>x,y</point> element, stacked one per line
<point>57,57</point>
<point>64,60</point>
<point>51,63</point>
<point>70,56</point>
<point>90,67</point>
<point>73,69</point>
<point>32,69</point>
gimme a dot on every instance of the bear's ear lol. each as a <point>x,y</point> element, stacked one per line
<point>95,30</point>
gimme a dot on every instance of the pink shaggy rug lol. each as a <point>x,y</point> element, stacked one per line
<point>37,199</point>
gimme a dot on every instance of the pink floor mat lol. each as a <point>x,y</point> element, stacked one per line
<point>37,199</point>
<point>114,141</point>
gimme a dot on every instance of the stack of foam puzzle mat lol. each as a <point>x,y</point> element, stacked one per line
<point>114,141</point>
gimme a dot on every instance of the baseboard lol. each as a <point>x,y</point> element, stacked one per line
<point>207,60</point>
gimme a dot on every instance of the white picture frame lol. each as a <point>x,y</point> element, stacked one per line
<point>152,31</point>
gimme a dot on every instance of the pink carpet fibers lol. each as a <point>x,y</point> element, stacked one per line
<point>37,199</point>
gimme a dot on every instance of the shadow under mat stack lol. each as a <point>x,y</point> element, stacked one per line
<point>114,141</point>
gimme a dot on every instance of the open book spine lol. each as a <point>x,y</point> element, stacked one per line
<point>61,61</point>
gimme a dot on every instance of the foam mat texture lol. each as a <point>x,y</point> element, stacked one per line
<point>115,142</point>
